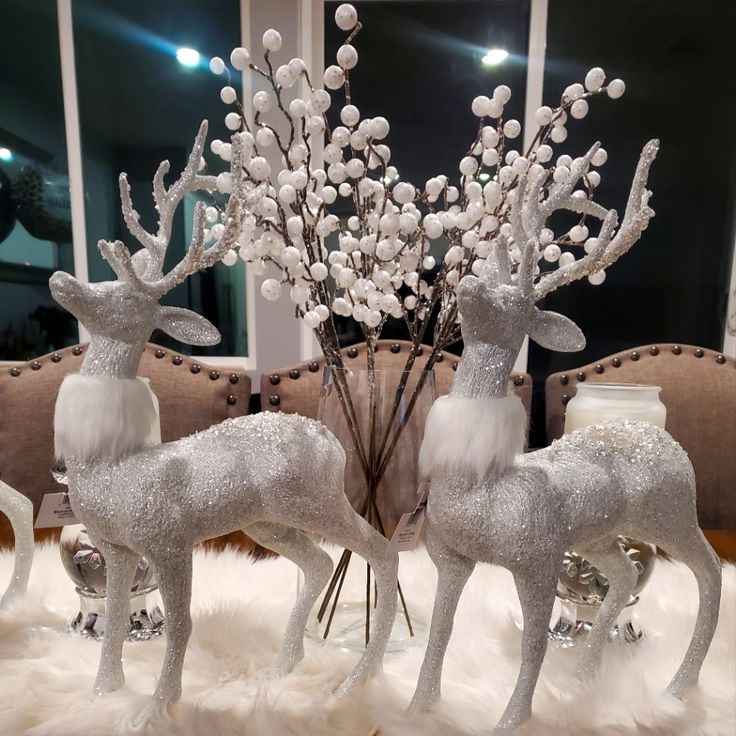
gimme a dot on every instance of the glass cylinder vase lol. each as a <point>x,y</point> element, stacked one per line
<point>581,587</point>
<point>378,416</point>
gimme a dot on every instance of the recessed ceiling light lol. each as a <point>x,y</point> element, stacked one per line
<point>187,57</point>
<point>495,56</point>
<point>6,154</point>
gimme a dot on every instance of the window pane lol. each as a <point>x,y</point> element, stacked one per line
<point>138,105</point>
<point>420,65</point>
<point>675,58</point>
<point>35,215</point>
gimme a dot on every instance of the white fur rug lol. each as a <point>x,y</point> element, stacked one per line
<point>240,609</point>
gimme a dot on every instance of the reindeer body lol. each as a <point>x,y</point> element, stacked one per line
<point>488,502</point>
<point>625,475</point>
<point>274,476</point>
<point>249,469</point>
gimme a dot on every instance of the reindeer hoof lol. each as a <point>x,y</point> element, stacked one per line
<point>357,678</point>
<point>285,664</point>
<point>108,683</point>
<point>155,706</point>
<point>418,706</point>
<point>679,686</point>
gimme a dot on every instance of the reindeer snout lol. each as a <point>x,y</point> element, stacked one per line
<point>63,287</point>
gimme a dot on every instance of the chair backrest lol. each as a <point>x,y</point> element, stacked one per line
<point>192,396</point>
<point>296,388</point>
<point>699,391</point>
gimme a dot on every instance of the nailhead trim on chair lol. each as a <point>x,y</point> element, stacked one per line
<point>634,355</point>
<point>274,379</point>
<point>159,353</point>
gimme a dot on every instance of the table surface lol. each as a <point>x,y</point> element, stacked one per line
<point>240,607</point>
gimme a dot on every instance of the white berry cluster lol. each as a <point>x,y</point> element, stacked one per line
<point>379,269</point>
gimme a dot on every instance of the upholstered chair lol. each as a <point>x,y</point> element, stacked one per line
<point>192,396</point>
<point>296,388</point>
<point>699,391</point>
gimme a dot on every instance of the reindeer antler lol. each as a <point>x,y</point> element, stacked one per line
<point>167,200</point>
<point>145,267</point>
<point>529,212</point>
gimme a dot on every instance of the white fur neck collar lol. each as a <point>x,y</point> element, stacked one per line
<point>474,438</point>
<point>102,418</point>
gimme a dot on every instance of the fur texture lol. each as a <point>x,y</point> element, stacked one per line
<point>240,609</point>
<point>462,436</point>
<point>102,417</point>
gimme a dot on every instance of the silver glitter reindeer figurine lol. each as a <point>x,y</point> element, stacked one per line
<point>490,503</point>
<point>274,476</point>
<point>19,511</point>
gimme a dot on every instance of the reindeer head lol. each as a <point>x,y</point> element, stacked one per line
<point>498,309</point>
<point>120,315</point>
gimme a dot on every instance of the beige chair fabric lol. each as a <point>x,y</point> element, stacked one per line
<point>699,391</point>
<point>192,396</point>
<point>296,388</point>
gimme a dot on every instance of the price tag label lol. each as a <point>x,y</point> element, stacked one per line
<point>55,511</point>
<point>410,526</point>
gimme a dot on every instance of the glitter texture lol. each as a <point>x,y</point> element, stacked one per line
<point>19,511</point>
<point>615,478</point>
<point>275,476</point>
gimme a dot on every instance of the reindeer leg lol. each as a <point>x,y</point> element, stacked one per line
<point>453,571</point>
<point>615,564</point>
<point>174,576</point>
<point>691,547</point>
<point>121,563</point>
<point>355,533</point>
<point>536,588</point>
<point>316,566</point>
<point>19,511</point>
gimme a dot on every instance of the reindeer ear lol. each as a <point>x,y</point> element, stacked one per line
<point>187,326</point>
<point>555,332</point>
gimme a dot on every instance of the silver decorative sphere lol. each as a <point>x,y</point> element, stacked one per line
<point>86,567</point>
<point>580,582</point>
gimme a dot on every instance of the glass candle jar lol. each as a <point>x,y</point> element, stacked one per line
<point>597,402</point>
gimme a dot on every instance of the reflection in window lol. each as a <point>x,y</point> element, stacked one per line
<point>35,214</point>
<point>139,104</point>
<point>673,285</point>
<point>420,65</point>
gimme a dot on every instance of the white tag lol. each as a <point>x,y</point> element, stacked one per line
<point>55,511</point>
<point>410,526</point>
